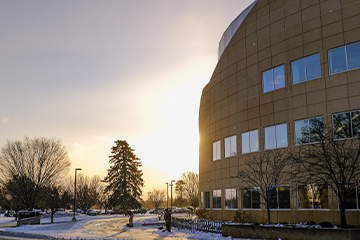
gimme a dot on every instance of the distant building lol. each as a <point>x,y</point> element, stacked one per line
<point>282,63</point>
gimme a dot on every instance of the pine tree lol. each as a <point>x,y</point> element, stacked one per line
<point>124,177</point>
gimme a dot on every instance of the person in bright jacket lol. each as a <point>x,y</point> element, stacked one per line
<point>167,218</point>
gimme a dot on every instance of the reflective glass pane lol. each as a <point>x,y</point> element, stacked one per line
<point>351,198</point>
<point>279,77</point>
<point>298,71</point>
<point>246,198</point>
<point>272,197</point>
<point>316,126</point>
<point>337,60</point>
<point>207,199</point>
<point>284,196</point>
<point>355,119</point>
<point>268,81</point>
<point>230,199</point>
<point>227,147</point>
<point>216,198</point>
<point>245,145</point>
<point>255,196</point>
<point>353,55</point>
<point>341,125</point>
<point>270,139</point>
<point>320,199</point>
<point>281,136</point>
<point>233,148</point>
<point>305,196</point>
<point>254,141</point>
<point>302,134</point>
<point>313,69</point>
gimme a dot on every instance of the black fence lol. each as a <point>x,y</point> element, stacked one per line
<point>198,225</point>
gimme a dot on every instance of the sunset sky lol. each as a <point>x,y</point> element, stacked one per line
<point>90,72</point>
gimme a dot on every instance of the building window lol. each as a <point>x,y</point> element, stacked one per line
<point>276,136</point>
<point>352,200</point>
<point>346,125</point>
<point>306,69</point>
<point>313,196</point>
<point>308,130</point>
<point>279,197</point>
<point>250,141</point>
<point>344,58</point>
<point>230,146</point>
<point>273,79</point>
<point>231,199</point>
<point>216,150</point>
<point>207,199</point>
<point>216,199</point>
<point>251,198</point>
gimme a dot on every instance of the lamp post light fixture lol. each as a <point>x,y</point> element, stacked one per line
<point>171,192</point>
<point>167,195</point>
<point>74,208</point>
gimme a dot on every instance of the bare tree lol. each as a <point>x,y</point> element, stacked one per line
<point>191,187</point>
<point>156,197</point>
<point>265,172</point>
<point>39,162</point>
<point>87,191</point>
<point>330,161</point>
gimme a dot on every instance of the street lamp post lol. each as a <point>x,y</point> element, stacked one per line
<point>74,208</point>
<point>167,195</point>
<point>171,192</point>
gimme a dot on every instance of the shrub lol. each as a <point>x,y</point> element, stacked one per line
<point>241,217</point>
<point>201,213</point>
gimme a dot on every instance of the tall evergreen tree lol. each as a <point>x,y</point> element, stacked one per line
<point>124,177</point>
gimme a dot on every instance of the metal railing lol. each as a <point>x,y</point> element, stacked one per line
<point>198,225</point>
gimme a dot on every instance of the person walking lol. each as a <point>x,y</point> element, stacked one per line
<point>167,218</point>
<point>131,217</point>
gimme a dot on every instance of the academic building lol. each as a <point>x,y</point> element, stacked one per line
<point>282,64</point>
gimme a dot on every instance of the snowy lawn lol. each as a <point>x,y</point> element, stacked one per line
<point>104,227</point>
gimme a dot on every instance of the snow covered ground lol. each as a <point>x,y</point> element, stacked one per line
<point>99,227</point>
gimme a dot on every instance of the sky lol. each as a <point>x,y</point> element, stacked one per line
<point>90,72</point>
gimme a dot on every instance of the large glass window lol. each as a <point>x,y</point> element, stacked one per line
<point>231,199</point>
<point>230,146</point>
<point>250,141</point>
<point>276,136</point>
<point>273,79</point>
<point>207,199</point>
<point>308,130</point>
<point>251,198</point>
<point>216,150</point>
<point>216,199</point>
<point>306,69</point>
<point>346,125</point>
<point>313,196</point>
<point>279,197</point>
<point>352,200</point>
<point>344,58</point>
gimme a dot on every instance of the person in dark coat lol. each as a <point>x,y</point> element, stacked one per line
<point>131,217</point>
<point>167,218</point>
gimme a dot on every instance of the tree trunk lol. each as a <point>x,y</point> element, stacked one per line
<point>342,214</point>
<point>268,214</point>
<point>52,216</point>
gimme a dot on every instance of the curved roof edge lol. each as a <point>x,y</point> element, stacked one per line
<point>232,28</point>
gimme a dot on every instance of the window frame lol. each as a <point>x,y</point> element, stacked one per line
<point>266,81</point>
<point>277,197</point>
<point>351,125</point>
<point>207,200</point>
<point>249,141</point>
<point>251,198</point>
<point>266,140</point>
<point>216,150</point>
<point>307,77</point>
<point>346,58</point>
<point>231,199</point>
<point>216,199</point>
<point>312,187</point>
<point>296,142</point>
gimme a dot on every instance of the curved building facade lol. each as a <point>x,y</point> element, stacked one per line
<point>282,64</point>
